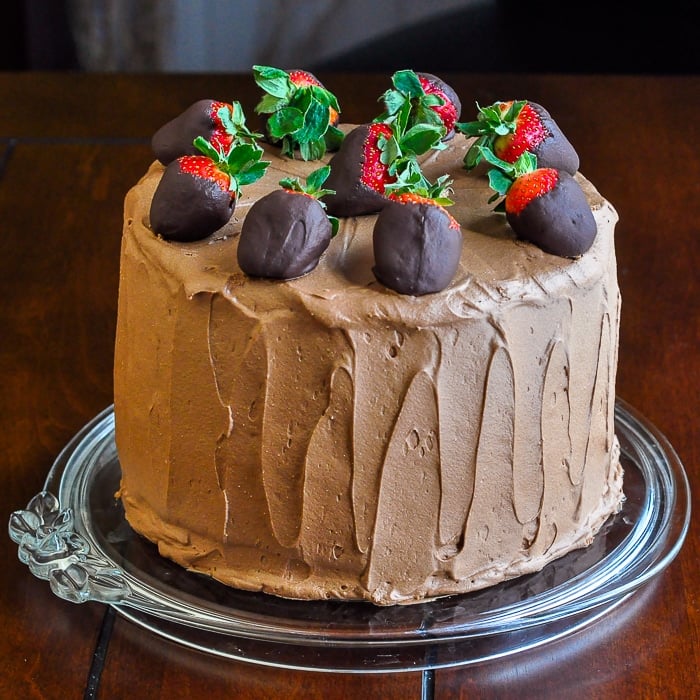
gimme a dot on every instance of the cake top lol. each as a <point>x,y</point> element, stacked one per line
<point>397,172</point>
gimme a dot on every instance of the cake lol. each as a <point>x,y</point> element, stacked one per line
<point>328,437</point>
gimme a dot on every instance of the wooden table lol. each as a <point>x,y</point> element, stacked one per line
<point>70,147</point>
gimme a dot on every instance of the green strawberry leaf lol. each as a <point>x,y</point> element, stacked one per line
<point>514,111</point>
<point>490,157</point>
<point>325,97</point>
<point>315,123</point>
<point>390,149</point>
<point>252,173</point>
<point>407,172</point>
<point>333,138</point>
<point>242,155</point>
<point>204,147</point>
<point>285,121</point>
<point>315,179</point>
<point>227,119</point>
<point>314,183</point>
<point>407,82</point>
<point>421,138</point>
<point>475,128</point>
<point>499,181</point>
<point>426,115</point>
<point>526,163</point>
<point>273,81</point>
<point>393,101</point>
<point>235,124</point>
<point>335,224</point>
<point>269,104</point>
<point>312,150</point>
<point>431,100</point>
<point>291,183</point>
<point>473,156</point>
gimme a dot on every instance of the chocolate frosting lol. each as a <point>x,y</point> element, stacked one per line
<point>352,196</point>
<point>176,137</point>
<point>416,250</point>
<point>555,151</point>
<point>325,437</point>
<point>188,208</point>
<point>560,222</point>
<point>283,236</point>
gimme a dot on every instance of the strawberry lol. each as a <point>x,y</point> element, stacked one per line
<point>218,122</point>
<point>510,129</point>
<point>427,99</point>
<point>285,232</point>
<point>544,206</point>
<point>417,243</point>
<point>197,193</point>
<point>359,171</point>
<point>302,113</point>
<point>451,108</point>
<point>374,156</point>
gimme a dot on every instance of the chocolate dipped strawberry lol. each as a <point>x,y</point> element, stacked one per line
<point>359,172</point>
<point>219,123</point>
<point>429,100</point>
<point>544,206</point>
<point>417,243</point>
<point>376,155</point>
<point>300,113</point>
<point>510,129</point>
<point>285,232</point>
<point>197,194</point>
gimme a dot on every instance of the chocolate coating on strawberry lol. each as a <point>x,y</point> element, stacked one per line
<point>284,235</point>
<point>176,137</point>
<point>554,150</point>
<point>357,174</point>
<point>186,207</point>
<point>559,221</point>
<point>417,247</point>
<point>451,110</point>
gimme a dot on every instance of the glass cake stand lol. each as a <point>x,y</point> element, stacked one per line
<point>74,534</point>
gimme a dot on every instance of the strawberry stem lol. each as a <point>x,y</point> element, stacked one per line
<point>491,122</point>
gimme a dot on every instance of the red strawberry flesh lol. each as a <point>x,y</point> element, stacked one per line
<point>447,111</point>
<point>220,138</point>
<point>201,166</point>
<point>302,78</point>
<point>528,187</point>
<point>529,133</point>
<point>413,198</point>
<point>374,172</point>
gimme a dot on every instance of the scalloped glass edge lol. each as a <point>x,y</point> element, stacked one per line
<point>58,542</point>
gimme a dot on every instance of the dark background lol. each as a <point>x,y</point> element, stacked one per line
<point>504,36</point>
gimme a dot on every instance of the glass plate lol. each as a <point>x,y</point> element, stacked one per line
<point>74,535</point>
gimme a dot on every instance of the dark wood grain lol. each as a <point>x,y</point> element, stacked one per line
<point>71,145</point>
